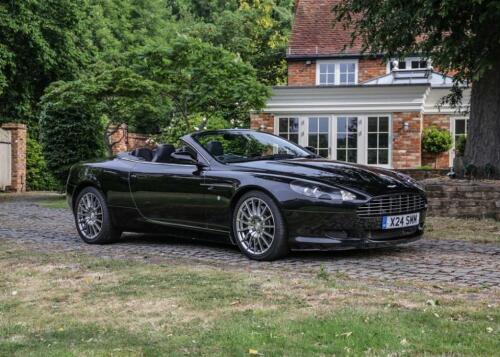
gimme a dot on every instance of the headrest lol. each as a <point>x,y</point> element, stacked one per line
<point>144,153</point>
<point>163,153</point>
<point>215,148</point>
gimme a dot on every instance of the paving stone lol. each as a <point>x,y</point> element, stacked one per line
<point>459,262</point>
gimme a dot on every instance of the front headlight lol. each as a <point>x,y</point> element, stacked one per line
<point>321,192</point>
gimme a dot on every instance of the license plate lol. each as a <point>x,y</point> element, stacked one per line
<point>404,220</point>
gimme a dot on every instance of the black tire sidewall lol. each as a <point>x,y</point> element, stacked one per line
<point>279,246</point>
<point>108,232</point>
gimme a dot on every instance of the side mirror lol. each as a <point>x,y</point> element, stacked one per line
<point>187,157</point>
<point>311,149</point>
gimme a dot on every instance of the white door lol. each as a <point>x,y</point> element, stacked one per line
<point>5,157</point>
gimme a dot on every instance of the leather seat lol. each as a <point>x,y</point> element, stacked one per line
<point>144,153</point>
<point>163,153</point>
<point>215,148</point>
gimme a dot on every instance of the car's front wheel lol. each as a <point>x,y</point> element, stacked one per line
<point>92,218</point>
<point>259,228</point>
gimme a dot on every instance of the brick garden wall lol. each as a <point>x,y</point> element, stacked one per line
<point>461,198</point>
<point>126,141</point>
<point>441,121</point>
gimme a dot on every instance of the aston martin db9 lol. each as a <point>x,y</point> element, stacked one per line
<point>252,189</point>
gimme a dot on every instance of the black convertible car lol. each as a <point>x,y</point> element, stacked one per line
<point>253,189</point>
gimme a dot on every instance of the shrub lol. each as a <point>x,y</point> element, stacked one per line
<point>38,177</point>
<point>71,129</point>
<point>436,140</point>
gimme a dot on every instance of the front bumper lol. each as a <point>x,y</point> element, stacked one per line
<point>342,230</point>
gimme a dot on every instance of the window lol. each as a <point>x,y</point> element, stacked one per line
<point>378,140</point>
<point>289,129</point>
<point>409,63</point>
<point>460,128</point>
<point>337,72</point>
<point>347,73</point>
<point>318,135</point>
<point>347,139</point>
<point>327,73</point>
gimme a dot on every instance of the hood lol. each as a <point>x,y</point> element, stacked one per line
<point>371,180</point>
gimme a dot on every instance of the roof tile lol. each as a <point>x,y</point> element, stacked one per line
<point>316,33</point>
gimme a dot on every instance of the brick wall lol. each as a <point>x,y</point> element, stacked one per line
<point>406,144</point>
<point>461,198</point>
<point>369,68</point>
<point>126,141</point>
<point>18,159</point>
<point>301,74</point>
<point>262,121</point>
<point>441,121</point>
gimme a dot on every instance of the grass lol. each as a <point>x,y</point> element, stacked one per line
<point>58,201</point>
<point>468,229</point>
<point>71,304</point>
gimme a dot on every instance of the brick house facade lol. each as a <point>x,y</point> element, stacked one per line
<point>353,106</point>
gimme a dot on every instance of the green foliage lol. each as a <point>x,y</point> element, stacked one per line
<point>40,41</point>
<point>201,78</point>
<point>71,126</point>
<point>460,145</point>
<point>436,140</point>
<point>179,127</point>
<point>38,177</point>
<point>255,30</point>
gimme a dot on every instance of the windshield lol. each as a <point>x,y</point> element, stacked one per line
<point>228,147</point>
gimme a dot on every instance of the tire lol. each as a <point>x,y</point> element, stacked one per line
<point>259,228</point>
<point>92,218</point>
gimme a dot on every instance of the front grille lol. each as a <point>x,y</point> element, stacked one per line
<point>392,205</point>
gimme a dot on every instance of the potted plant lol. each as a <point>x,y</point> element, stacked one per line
<point>436,141</point>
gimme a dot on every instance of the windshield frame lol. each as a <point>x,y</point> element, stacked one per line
<point>195,137</point>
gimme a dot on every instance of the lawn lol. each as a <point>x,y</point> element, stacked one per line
<point>72,304</point>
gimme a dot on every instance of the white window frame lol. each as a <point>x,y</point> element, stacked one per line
<point>336,76</point>
<point>408,61</point>
<point>452,132</point>
<point>362,148</point>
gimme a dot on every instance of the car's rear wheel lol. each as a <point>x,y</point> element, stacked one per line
<point>92,218</point>
<point>259,228</point>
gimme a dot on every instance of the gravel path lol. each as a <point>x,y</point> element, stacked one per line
<point>50,229</point>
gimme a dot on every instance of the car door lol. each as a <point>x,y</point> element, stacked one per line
<point>170,193</point>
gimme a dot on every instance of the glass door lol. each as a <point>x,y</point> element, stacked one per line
<point>346,139</point>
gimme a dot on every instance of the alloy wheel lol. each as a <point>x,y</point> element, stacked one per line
<point>255,226</point>
<point>90,215</point>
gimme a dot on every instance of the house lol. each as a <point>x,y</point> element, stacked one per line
<point>353,106</point>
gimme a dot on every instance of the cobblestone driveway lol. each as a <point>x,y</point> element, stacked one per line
<point>21,219</point>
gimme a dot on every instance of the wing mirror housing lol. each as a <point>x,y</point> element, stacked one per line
<point>187,157</point>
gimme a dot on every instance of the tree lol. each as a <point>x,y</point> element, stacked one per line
<point>40,41</point>
<point>461,36</point>
<point>202,79</point>
<point>76,115</point>
<point>257,31</point>
<point>436,141</point>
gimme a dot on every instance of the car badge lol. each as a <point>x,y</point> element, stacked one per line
<point>391,186</point>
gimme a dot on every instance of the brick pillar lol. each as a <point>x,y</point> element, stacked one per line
<point>119,138</point>
<point>406,142</point>
<point>262,121</point>
<point>18,150</point>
